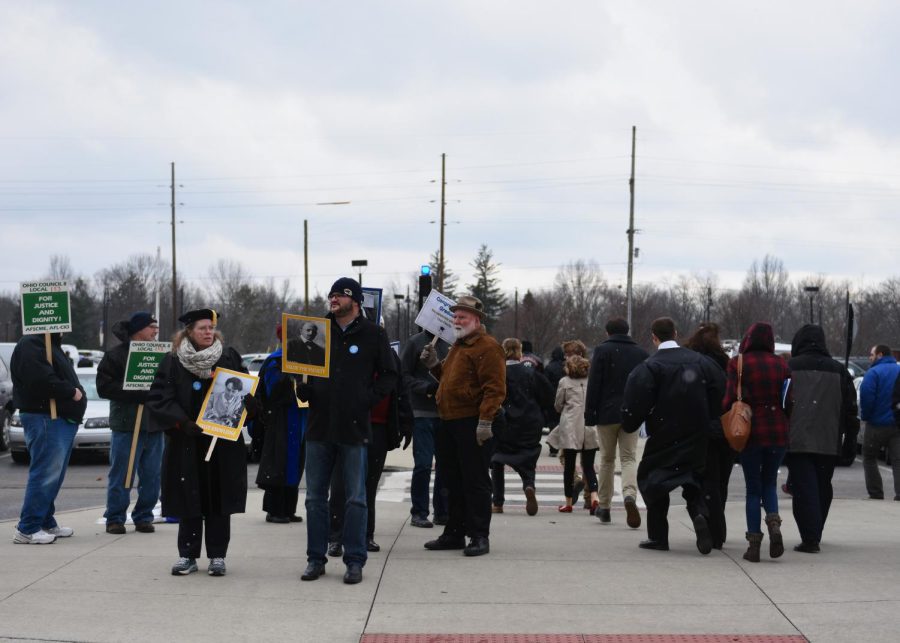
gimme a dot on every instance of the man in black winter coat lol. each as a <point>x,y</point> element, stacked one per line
<point>611,364</point>
<point>123,406</point>
<point>675,392</point>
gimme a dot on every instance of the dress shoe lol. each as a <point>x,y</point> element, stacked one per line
<point>313,571</point>
<point>477,547</point>
<point>445,542</point>
<point>419,521</point>
<point>654,544</point>
<point>875,496</point>
<point>704,537</point>
<point>807,548</point>
<point>295,518</point>
<point>603,515</point>
<point>531,505</point>
<point>144,527</point>
<point>441,520</point>
<point>353,575</point>
<point>335,550</point>
<point>371,545</point>
<point>281,520</point>
<point>632,515</point>
<point>564,509</point>
<point>496,509</point>
<point>116,528</point>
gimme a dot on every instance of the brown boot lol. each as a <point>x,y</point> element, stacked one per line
<point>776,544</point>
<point>752,553</point>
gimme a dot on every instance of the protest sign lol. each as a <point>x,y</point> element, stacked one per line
<point>223,412</point>
<point>144,359</point>
<point>45,307</point>
<point>436,318</point>
<point>372,303</point>
<point>306,343</point>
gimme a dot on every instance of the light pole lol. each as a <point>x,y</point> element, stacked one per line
<point>812,290</point>
<point>359,264</point>
<point>306,256</point>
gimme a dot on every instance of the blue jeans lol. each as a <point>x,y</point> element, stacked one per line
<point>147,466</point>
<point>321,458</point>
<point>423,455</point>
<point>760,465</point>
<point>49,444</point>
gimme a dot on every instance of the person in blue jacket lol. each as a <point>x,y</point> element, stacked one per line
<point>876,410</point>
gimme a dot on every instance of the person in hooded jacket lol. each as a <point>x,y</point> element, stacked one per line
<point>554,371</point>
<point>823,422</point>
<point>123,406</point>
<point>280,428</point>
<point>765,377</point>
<point>528,395</point>
<point>202,494</point>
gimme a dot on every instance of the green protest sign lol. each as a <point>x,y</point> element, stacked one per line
<point>144,359</point>
<point>45,307</point>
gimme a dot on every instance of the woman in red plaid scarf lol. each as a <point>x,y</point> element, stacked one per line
<point>763,381</point>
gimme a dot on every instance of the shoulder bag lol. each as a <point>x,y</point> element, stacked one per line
<point>736,421</point>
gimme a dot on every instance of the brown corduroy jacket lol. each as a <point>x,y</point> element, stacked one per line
<point>472,378</point>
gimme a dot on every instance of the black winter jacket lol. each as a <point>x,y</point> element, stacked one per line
<point>528,398</point>
<point>339,405</point>
<point>421,383</point>
<point>110,378</point>
<point>35,381</point>
<point>612,363</point>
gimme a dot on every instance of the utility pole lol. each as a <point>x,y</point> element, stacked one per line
<point>708,301</point>
<point>305,268</point>
<point>628,291</point>
<point>174,277</point>
<point>516,316</point>
<point>440,279</point>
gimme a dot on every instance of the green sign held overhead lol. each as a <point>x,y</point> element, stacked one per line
<point>144,359</point>
<point>45,307</point>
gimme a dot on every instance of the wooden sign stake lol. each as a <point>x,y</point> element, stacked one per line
<point>212,445</point>
<point>50,359</point>
<point>134,442</point>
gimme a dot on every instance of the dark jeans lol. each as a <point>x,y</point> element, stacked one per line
<point>147,471</point>
<point>811,475</point>
<point>466,467</point>
<point>190,536</point>
<point>49,444</point>
<point>587,470</point>
<point>719,463</point>
<point>498,479</point>
<point>760,466</point>
<point>657,500</point>
<point>424,430</point>
<point>874,438</point>
<point>377,453</point>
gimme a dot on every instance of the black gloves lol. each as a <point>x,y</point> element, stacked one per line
<point>252,405</point>
<point>189,427</point>
<point>406,434</point>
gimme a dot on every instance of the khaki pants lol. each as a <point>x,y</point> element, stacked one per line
<point>610,435</point>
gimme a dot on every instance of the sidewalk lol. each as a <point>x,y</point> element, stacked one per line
<point>551,574</point>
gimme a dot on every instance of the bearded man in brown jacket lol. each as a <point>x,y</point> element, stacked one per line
<point>471,390</point>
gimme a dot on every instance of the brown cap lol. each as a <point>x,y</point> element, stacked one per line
<point>469,303</point>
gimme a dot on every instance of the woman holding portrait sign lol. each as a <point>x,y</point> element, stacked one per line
<point>202,494</point>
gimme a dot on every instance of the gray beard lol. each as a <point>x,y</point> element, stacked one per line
<point>462,333</point>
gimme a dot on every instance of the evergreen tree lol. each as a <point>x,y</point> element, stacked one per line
<point>450,279</point>
<point>487,285</point>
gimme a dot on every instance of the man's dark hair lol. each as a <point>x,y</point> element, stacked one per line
<point>617,326</point>
<point>663,328</point>
<point>884,349</point>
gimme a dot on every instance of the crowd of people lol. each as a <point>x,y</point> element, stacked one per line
<point>471,409</point>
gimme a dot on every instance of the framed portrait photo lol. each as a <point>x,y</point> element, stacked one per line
<point>306,345</point>
<point>223,413</point>
<point>371,305</point>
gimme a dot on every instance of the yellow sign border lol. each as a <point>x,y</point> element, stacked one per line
<point>300,368</point>
<point>221,430</point>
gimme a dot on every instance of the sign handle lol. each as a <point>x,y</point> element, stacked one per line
<point>212,445</point>
<point>134,442</point>
<point>435,340</point>
<point>47,346</point>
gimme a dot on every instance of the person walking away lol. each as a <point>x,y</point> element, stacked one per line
<point>611,364</point>
<point>422,387</point>
<point>471,390</point>
<point>675,391</point>
<point>822,419</point>
<point>765,377</point>
<point>123,406</point>
<point>203,495</point>
<point>528,394</point>
<point>49,441</point>
<point>572,436</point>
<point>876,409</point>
<point>555,371</point>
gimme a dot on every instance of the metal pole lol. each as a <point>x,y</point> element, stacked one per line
<point>628,291</point>
<point>305,268</point>
<point>516,316</point>
<point>440,284</point>
<point>174,272</point>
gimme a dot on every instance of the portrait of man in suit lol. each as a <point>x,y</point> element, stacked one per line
<point>305,346</point>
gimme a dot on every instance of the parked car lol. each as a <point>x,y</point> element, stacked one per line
<point>6,403</point>
<point>253,361</point>
<point>92,435</point>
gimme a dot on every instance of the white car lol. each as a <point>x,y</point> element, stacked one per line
<point>253,361</point>
<point>93,433</point>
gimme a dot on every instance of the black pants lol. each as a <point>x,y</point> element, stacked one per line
<point>587,470</point>
<point>375,457</point>
<point>282,501</point>
<point>526,472</point>
<point>657,500</point>
<point>190,536</point>
<point>466,470</point>
<point>719,464</point>
<point>811,475</point>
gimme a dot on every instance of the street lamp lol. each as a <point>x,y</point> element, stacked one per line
<point>812,290</point>
<point>306,256</point>
<point>398,299</point>
<point>359,264</point>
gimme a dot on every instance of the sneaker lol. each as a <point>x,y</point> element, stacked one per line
<point>116,528</point>
<point>216,567</point>
<point>39,537</point>
<point>419,521</point>
<point>61,532</point>
<point>184,566</point>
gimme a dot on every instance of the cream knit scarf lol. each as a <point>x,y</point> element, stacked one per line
<point>199,363</point>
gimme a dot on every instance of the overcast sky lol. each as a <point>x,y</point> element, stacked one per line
<point>767,127</point>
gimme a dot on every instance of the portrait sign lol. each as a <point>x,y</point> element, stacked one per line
<point>222,414</point>
<point>395,346</point>
<point>306,345</point>
<point>372,303</point>
<point>144,359</point>
<point>436,318</point>
<point>45,307</point>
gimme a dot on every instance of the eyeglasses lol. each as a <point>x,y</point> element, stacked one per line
<point>337,295</point>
